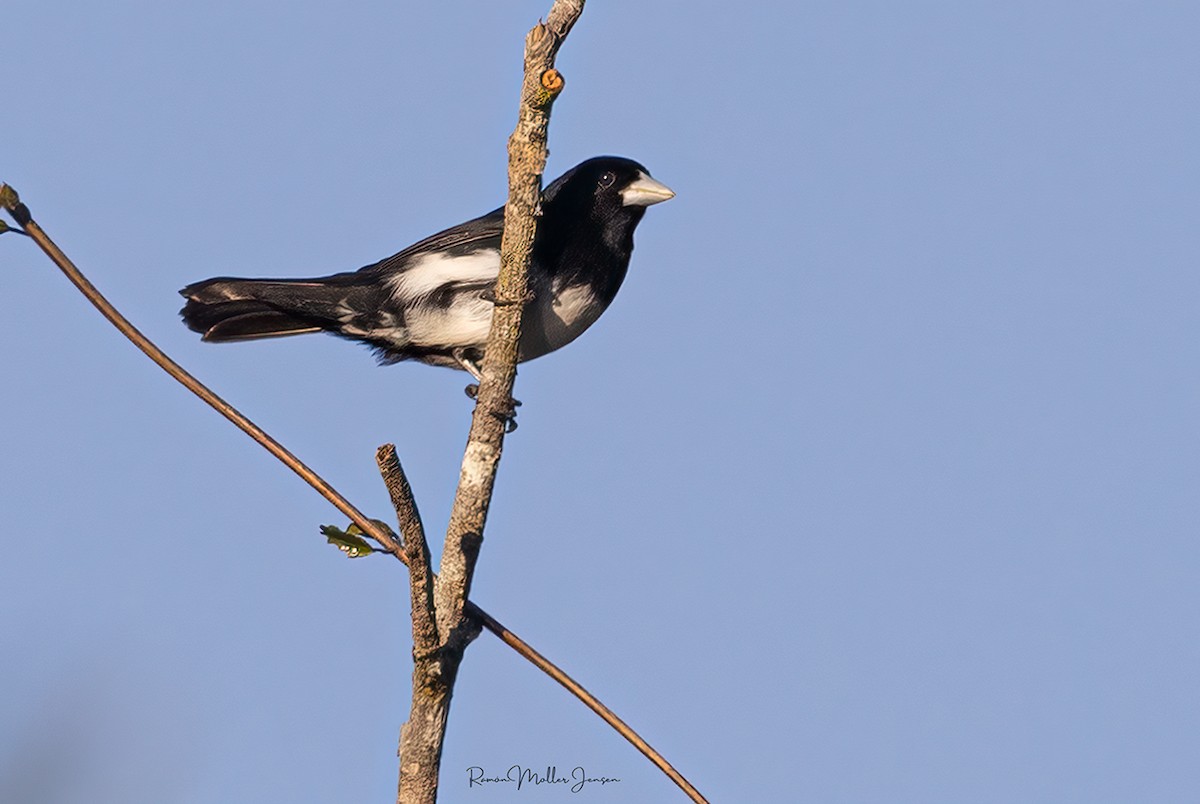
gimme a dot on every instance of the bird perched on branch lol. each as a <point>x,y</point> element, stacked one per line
<point>433,301</point>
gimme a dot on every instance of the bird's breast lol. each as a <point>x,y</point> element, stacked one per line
<point>557,317</point>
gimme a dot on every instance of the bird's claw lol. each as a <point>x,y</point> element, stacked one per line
<point>489,295</point>
<point>508,413</point>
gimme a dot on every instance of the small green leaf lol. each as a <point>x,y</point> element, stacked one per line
<point>348,541</point>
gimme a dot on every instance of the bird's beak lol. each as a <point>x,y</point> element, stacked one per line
<point>644,191</point>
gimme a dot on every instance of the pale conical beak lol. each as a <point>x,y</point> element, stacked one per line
<point>644,191</point>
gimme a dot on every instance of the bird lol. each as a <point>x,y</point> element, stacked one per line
<point>432,302</point>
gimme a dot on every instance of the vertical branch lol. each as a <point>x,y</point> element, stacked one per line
<point>434,672</point>
<point>436,663</point>
<point>494,406</point>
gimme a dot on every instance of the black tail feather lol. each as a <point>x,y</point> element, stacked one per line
<point>226,309</point>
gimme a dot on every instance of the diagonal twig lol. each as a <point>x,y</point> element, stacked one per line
<point>21,214</point>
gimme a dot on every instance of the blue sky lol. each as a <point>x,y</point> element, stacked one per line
<point>877,483</point>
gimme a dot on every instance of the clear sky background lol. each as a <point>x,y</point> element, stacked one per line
<point>878,482</point>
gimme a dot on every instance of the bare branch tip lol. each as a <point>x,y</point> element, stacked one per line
<point>535,37</point>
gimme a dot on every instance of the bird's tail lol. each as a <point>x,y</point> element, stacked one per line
<point>225,309</point>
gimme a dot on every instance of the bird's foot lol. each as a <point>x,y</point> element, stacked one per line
<point>489,295</point>
<point>508,412</point>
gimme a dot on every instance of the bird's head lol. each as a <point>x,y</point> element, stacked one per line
<point>608,187</point>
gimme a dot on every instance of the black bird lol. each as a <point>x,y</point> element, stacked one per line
<point>432,301</point>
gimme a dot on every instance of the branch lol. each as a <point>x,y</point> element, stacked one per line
<point>433,677</point>
<point>494,403</point>
<point>416,550</point>
<point>420,749</point>
<point>21,214</point>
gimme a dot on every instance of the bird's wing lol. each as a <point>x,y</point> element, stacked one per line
<point>480,233</point>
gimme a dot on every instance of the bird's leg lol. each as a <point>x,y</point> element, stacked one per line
<point>472,368</point>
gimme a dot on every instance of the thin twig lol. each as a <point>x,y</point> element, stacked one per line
<point>420,757</point>
<point>591,701</point>
<point>416,550</point>
<point>21,214</point>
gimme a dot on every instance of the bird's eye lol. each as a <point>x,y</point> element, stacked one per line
<point>607,179</point>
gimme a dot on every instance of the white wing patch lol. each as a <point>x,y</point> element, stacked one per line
<point>464,323</point>
<point>431,271</point>
<point>461,319</point>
